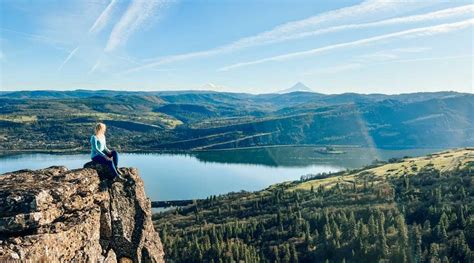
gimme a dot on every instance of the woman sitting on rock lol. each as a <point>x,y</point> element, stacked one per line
<point>99,151</point>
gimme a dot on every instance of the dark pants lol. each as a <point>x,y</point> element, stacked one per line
<point>112,164</point>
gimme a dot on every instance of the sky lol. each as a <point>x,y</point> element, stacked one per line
<point>258,46</point>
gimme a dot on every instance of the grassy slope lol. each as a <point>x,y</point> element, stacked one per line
<point>249,221</point>
<point>443,161</point>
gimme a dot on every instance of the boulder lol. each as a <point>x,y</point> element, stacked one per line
<point>61,215</point>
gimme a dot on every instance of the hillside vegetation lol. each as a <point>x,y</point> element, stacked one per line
<point>405,210</point>
<point>156,121</point>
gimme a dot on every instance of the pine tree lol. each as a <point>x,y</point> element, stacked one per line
<point>418,242</point>
<point>372,228</point>
<point>286,254</point>
<point>462,218</point>
<point>294,254</point>
<point>382,242</point>
<point>275,254</point>
<point>434,253</point>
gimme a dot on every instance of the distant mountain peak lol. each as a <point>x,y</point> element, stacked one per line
<point>213,87</point>
<point>297,87</point>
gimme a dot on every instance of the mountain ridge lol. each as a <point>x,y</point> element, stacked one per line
<point>31,94</point>
<point>211,120</point>
<point>298,87</point>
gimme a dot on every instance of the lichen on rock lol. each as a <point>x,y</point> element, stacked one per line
<point>57,215</point>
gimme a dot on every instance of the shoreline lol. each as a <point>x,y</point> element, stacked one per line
<point>74,151</point>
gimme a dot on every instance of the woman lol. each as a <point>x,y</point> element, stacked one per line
<point>99,151</point>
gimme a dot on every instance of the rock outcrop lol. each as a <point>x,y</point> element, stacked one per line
<point>61,215</point>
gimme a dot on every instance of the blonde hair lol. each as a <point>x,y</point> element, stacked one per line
<point>99,127</point>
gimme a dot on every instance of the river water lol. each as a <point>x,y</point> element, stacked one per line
<point>198,175</point>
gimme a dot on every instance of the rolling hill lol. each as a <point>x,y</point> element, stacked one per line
<point>406,210</point>
<point>160,121</point>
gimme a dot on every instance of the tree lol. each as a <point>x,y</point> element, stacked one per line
<point>382,242</point>
<point>294,254</point>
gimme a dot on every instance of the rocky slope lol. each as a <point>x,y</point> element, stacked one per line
<point>61,215</point>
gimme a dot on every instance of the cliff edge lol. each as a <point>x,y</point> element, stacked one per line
<point>58,215</point>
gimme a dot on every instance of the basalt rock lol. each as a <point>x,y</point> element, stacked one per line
<point>61,215</point>
<point>103,170</point>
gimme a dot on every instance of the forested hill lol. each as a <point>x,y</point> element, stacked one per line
<point>153,121</point>
<point>406,210</point>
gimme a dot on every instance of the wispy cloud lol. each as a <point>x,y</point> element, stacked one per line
<point>95,67</point>
<point>417,32</point>
<point>427,59</point>
<point>103,18</point>
<point>279,33</point>
<point>56,44</point>
<point>71,54</point>
<point>108,59</point>
<point>306,28</point>
<point>138,12</point>
<point>392,53</point>
<point>350,66</point>
<point>432,16</point>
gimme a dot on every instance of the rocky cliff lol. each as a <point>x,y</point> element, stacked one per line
<point>61,215</point>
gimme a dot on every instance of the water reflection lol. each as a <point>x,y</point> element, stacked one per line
<point>306,156</point>
<point>198,175</point>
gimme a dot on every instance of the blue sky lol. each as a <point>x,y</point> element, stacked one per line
<point>240,45</point>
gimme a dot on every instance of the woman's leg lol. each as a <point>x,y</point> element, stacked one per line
<point>109,163</point>
<point>114,168</point>
<point>115,158</point>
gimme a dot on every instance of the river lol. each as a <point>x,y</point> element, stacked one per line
<point>201,174</point>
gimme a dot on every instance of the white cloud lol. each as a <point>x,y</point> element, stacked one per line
<point>432,16</point>
<point>56,44</point>
<point>95,67</point>
<point>355,65</point>
<point>427,59</point>
<point>392,53</point>
<point>411,49</point>
<point>305,28</point>
<point>137,13</point>
<point>280,32</point>
<point>417,32</point>
<point>71,54</point>
<point>103,18</point>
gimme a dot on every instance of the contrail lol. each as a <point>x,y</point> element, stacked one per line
<point>103,18</point>
<point>137,13</point>
<point>68,58</point>
<point>417,32</point>
<point>300,29</point>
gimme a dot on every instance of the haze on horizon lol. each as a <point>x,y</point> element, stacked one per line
<point>332,47</point>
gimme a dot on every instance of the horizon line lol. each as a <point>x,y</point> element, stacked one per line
<point>232,92</point>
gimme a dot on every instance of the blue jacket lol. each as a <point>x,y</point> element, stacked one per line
<point>98,146</point>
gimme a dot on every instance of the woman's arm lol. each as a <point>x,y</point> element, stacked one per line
<point>105,147</point>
